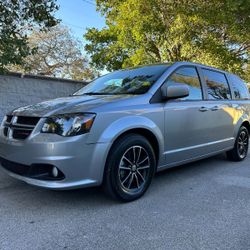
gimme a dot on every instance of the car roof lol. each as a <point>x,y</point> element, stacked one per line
<point>182,63</point>
<point>178,63</point>
<point>200,65</point>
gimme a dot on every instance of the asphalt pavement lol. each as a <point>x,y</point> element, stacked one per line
<point>203,205</point>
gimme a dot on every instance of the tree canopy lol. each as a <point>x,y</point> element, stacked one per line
<point>212,32</point>
<point>17,19</point>
<point>56,53</point>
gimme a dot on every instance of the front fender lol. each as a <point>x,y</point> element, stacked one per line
<point>118,127</point>
<point>122,125</point>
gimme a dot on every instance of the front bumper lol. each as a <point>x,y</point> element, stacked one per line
<point>82,164</point>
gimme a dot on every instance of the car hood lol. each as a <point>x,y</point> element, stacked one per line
<point>66,105</point>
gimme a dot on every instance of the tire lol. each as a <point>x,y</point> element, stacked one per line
<point>239,152</point>
<point>130,168</point>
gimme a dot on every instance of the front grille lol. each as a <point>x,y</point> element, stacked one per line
<point>9,117</point>
<point>15,168</point>
<point>26,120</point>
<point>5,131</point>
<point>21,134</point>
<point>19,127</point>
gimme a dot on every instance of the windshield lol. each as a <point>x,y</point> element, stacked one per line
<point>132,81</point>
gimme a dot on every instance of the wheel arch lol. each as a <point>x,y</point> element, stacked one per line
<point>247,125</point>
<point>149,135</point>
<point>135,124</point>
<point>242,121</point>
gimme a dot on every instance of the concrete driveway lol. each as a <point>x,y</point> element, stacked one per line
<point>203,205</point>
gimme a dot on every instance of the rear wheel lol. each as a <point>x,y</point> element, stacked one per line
<point>130,167</point>
<point>240,150</point>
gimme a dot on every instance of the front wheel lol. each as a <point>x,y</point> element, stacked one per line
<point>130,167</point>
<point>240,150</point>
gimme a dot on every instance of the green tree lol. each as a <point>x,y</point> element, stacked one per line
<point>17,19</point>
<point>56,53</point>
<point>247,73</point>
<point>213,32</point>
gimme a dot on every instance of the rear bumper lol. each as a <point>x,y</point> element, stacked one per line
<point>81,164</point>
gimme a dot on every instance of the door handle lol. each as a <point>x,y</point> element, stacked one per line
<point>215,108</point>
<point>203,109</point>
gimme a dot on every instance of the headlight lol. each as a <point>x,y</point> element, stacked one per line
<point>69,124</point>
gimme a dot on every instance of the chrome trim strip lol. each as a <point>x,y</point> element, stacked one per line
<point>192,159</point>
<point>198,146</point>
<point>14,120</point>
<point>23,125</point>
<point>20,128</point>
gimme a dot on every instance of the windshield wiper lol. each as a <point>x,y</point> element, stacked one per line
<point>90,93</point>
<point>103,93</point>
<point>96,93</point>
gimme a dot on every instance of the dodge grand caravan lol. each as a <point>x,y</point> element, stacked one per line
<point>123,127</point>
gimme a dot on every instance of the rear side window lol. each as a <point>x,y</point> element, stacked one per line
<point>239,88</point>
<point>217,85</point>
<point>189,76</point>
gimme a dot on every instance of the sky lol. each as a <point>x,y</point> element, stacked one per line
<point>79,15</point>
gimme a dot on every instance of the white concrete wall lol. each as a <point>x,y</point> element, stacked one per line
<point>17,90</point>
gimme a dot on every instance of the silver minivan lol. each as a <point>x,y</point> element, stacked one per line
<point>123,127</point>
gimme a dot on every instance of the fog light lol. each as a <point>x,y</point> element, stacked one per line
<point>54,172</point>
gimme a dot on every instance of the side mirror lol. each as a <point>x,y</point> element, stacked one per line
<point>174,91</point>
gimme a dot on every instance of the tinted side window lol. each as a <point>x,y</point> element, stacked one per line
<point>239,87</point>
<point>189,76</point>
<point>217,85</point>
